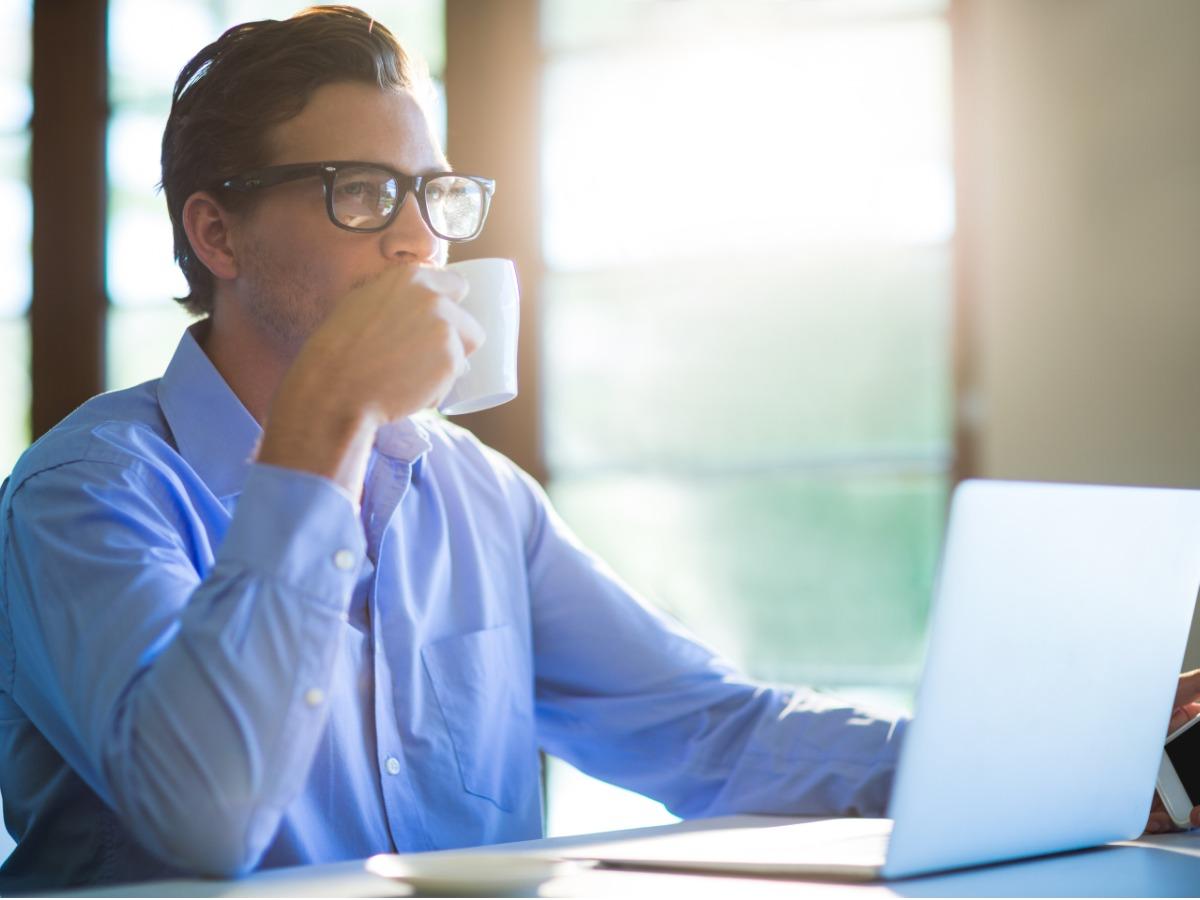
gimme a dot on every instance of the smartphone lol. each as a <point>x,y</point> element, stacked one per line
<point>1179,773</point>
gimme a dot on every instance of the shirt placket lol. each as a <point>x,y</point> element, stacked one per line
<point>388,481</point>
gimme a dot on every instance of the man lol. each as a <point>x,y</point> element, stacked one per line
<point>257,614</point>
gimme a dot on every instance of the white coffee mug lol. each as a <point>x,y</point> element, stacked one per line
<point>491,376</point>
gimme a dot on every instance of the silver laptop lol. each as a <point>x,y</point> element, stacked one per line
<point>1056,635</point>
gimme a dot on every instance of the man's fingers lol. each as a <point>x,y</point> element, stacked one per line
<point>1181,715</point>
<point>1189,688</point>
<point>474,337</point>
<point>446,282</point>
<point>1159,823</point>
<point>470,332</point>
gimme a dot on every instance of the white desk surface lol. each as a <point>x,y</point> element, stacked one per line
<point>1161,866</point>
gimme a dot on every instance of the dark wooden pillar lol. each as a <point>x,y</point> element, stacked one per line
<point>493,74</point>
<point>70,115</point>
<point>964,43</point>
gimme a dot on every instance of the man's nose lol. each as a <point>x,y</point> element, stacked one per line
<point>408,238</point>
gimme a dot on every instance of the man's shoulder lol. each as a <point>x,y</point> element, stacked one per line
<point>485,480</point>
<point>444,433</point>
<point>117,427</point>
<point>454,445</point>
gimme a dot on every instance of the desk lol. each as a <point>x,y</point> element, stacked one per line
<point>1161,866</point>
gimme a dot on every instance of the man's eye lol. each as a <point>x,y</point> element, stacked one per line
<point>435,193</point>
<point>356,189</point>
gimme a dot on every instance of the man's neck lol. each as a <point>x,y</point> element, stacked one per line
<point>252,366</point>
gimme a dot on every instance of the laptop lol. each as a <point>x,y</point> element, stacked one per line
<point>1058,626</point>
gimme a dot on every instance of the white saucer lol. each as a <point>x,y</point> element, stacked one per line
<point>450,874</point>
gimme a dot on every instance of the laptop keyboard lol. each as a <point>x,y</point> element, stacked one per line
<point>838,842</point>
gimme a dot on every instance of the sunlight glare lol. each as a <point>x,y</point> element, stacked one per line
<point>822,135</point>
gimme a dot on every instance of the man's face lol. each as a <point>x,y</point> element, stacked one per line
<point>293,263</point>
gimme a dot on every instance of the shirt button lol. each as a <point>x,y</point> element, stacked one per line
<point>314,696</point>
<point>344,560</point>
<point>392,765</point>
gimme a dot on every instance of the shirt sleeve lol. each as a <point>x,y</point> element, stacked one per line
<point>191,705</point>
<point>629,696</point>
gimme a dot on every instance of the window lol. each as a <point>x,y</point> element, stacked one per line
<point>16,235</point>
<point>149,42</point>
<point>16,227</point>
<point>748,214</point>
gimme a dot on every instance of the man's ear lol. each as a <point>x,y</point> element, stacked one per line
<point>209,229</point>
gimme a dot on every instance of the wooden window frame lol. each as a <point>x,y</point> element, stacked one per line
<point>68,309</point>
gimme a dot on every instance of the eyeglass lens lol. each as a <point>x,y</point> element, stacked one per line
<point>365,197</point>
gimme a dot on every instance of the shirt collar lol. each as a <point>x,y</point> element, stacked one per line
<point>217,435</point>
<point>214,432</point>
<point>406,440</point>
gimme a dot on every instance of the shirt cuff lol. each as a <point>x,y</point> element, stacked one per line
<point>297,527</point>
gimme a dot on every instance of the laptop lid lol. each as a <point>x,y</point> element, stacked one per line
<point>1057,630</point>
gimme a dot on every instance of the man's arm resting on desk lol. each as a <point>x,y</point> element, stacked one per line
<point>184,702</point>
<point>629,696</point>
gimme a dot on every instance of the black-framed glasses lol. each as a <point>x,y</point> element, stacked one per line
<point>365,197</point>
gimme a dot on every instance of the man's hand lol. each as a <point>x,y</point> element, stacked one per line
<point>391,347</point>
<point>1187,707</point>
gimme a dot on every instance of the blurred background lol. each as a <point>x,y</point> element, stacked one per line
<point>789,269</point>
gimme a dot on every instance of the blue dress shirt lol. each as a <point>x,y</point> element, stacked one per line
<point>209,665</point>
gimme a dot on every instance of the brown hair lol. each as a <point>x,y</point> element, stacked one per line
<point>250,79</point>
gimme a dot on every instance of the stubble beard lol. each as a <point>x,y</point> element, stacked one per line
<point>284,299</point>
